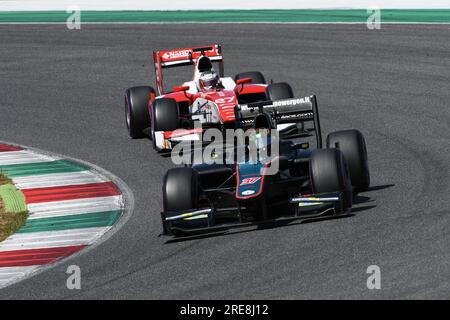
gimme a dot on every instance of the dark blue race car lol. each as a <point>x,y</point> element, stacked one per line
<point>309,182</point>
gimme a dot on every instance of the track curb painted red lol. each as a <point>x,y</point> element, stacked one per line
<point>73,205</point>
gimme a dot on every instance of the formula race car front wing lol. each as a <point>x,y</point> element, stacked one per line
<point>305,207</point>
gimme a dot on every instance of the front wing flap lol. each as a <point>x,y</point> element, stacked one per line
<point>203,220</point>
<point>166,140</point>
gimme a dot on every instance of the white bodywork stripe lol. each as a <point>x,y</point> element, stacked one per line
<point>159,140</point>
<point>189,137</point>
<point>284,126</point>
<point>172,63</point>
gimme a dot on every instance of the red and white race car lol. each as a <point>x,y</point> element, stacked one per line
<point>209,98</point>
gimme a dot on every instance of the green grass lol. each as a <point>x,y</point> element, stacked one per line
<point>4,179</point>
<point>13,213</point>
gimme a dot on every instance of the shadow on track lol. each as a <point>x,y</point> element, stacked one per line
<point>266,226</point>
<point>359,199</point>
<point>380,187</point>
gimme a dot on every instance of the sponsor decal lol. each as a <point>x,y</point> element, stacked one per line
<point>291,102</point>
<point>169,55</point>
<point>247,192</point>
<point>304,115</point>
<point>226,100</point>
<point>279,103</point>
<point>248,181</point>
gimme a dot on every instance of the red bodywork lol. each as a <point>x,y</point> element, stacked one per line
<point>225,99</point>
<point>188,56</point>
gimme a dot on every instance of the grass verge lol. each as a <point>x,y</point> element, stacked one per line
<point>4,179</point>
<point>13,213</point>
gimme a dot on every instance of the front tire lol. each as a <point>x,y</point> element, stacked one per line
<point>165,114</point>
<point>180,189</point>
<point>353,146</point>
<point>165,117</point>
<point>137,115</point>
<point>329,173</point>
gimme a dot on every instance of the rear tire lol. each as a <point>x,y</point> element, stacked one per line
<point>256,76</point>
<point>180,189</point>
<point>353,146</point>
<point>279,91</point>
<point>137,115</point>
<point>329,173</point>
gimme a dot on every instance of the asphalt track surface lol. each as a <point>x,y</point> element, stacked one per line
<point>61,91</point>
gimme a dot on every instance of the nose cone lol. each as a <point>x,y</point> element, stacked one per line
<point>226,101</point>
<point>249,180</point>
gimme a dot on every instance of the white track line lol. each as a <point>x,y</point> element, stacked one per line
<point>121,5</point>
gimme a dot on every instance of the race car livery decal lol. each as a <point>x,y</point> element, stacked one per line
<point>193,53</point>
<point>249,181</point>
<point>171,55</point>
<point>226,101</point>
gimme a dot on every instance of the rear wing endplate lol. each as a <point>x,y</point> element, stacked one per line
<point>296,110</point>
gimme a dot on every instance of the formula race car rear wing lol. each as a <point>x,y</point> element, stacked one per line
<point>185,56</point>
<point>296,110</point>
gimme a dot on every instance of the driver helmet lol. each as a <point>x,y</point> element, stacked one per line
<point>260,145</point>
<point>208,80</point>
<point>262,138</point>
<point>263,125</point>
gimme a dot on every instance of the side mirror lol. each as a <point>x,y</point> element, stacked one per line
<point>180,89</point>
<point>244,81</point>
